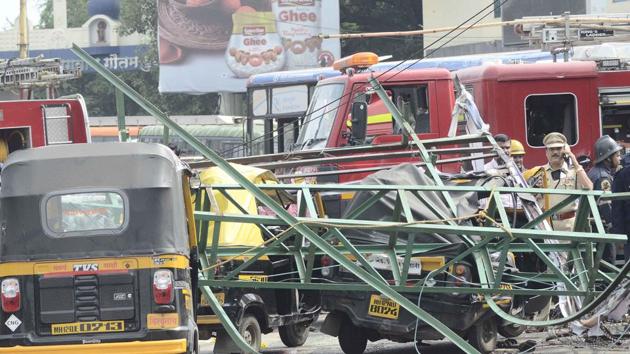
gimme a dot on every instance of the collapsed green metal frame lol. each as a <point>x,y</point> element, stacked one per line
<point>495,234</point>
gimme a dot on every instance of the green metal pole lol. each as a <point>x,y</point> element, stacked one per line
<point>120,112</point>
<point>277,208</point>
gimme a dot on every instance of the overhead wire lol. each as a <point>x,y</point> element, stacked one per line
<point>270,135</point>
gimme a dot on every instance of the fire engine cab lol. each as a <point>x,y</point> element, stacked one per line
<point>426,95</point>
<point>33,123</point>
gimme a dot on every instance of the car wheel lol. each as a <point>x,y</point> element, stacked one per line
<point>250,331</point>
<point>512,330</point>
<point>352,339</point>
<point>483,335</point>
<point>294,335</point>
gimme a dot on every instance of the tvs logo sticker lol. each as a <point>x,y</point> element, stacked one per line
<point>89,267</point>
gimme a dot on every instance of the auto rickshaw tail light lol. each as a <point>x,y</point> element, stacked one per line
<point>326,263</point>
<point>163,287</point>
<point>10,295</point>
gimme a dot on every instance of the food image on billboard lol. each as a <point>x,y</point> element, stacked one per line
<point>215,45</point>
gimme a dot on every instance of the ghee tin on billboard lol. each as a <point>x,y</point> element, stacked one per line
<point>299,25</point>
<point>255,46</point>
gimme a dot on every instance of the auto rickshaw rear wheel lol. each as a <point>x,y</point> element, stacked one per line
<point>294,335</point>
<point>352,339</point>
<point>483,335</point>
<point>249,329</point>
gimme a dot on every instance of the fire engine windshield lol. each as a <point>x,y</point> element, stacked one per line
<point>320,117</point>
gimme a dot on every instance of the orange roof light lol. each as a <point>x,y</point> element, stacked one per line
<point>358,61</point>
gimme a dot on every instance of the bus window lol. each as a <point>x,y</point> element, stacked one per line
<point>289,99</point>
<point>259,102</point>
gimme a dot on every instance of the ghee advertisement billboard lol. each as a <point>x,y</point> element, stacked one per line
<point>215,45</point>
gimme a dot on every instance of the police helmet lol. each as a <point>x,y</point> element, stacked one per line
<point>605,147</point>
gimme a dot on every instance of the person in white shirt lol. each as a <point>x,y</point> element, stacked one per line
<point>504,143</point>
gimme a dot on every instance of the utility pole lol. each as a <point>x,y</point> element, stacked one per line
<point>23,38</point>
<point>25,92</point>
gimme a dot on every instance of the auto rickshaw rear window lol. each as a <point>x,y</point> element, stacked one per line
<point>85,214</point>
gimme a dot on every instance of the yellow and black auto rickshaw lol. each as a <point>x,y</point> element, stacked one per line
<point>254,311</point>
<point>95,250</point>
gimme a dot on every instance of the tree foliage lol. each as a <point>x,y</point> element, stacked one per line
<point>379,16</point>
<point>76,13</point>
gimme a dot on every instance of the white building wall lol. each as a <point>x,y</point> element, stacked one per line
<point>63,37</point>
<point>451,13</point>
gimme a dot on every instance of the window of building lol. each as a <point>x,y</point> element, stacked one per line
<point>497,8</point>
<point>551,113</point>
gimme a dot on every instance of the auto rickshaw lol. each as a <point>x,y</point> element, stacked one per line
<point>96,242</point>
<point>357,317</point>
<point>253,311</point>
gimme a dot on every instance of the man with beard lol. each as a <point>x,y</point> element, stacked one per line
<point>559,174</point>
<point>607,160</point>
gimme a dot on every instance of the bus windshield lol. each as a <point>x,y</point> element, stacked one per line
<point>320,117</point>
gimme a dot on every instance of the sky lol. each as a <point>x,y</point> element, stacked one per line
<point>11,10</point>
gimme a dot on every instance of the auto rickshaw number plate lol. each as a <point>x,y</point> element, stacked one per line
<point>253,277</point>
<point>220,297</point>
<point>383,307</point>
<point>87,327</point>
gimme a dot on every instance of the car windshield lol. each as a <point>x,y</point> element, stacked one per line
<point>320,117</point>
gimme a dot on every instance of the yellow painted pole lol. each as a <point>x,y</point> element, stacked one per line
<point>23,28</point>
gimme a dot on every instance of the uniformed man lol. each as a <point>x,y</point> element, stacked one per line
<point>504,143</point>
<point>517,152</point>
<point>621,207</point>
<point>607,160</point>
<point>559,174</point>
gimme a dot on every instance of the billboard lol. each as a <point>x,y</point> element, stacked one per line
<point>215,45</point>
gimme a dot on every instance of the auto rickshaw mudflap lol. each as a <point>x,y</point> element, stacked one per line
<point>95,239</point>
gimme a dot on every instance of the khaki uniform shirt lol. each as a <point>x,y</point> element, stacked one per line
<point>567,180</point>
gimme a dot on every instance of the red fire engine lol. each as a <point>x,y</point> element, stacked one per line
<point>426,94</point>
<point>34,123</point>
<point>527,101</point>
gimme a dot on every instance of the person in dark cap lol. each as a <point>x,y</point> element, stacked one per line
<point>621,207</point>
<point>558,174</point>
<point>607,159</point>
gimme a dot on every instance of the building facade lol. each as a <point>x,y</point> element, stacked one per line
<point>98,36</point>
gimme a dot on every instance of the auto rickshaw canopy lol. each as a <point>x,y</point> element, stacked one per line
<point>100,200</point>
